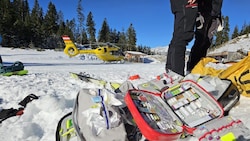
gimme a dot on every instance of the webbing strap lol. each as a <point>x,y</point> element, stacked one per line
<point>243,74</point>
<point>246,81</point>
<point>60,128</point>
<point>69,132</point>
<point>105,110</point>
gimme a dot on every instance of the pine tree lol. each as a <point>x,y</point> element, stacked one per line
<point>6,22</point>
<point>144,49</point>
<point>122,40</point>
<point>226,29</point>
<point>91,28</point>
<point>84,37</point>
<point>223,36</point>
<point>22,30</point>
<point>21,27</point>
<point>245,29</point>
<point>50,26</point>
<point>81,29</point>
<point>61,22</point>
<point>235,32</point>
<point>104,32</point>
<point>219,38</point>
<point>50,20</point>
<point>131,38</point>
<point>22,9</point>
<point>16,21</point>
<point>65,28</point>
<point>26,33</point>
<point>70,28</point>
<point>113,36</point>
<point>36,20</point>
<point>1,15</point>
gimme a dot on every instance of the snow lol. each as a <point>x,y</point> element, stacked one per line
<point>49,79</point>
<point>242,42</point>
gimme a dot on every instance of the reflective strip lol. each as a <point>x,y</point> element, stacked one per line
<point>69,132</point>
<point>69,124</point>
<point>69,129</point>
<point>105,111</point>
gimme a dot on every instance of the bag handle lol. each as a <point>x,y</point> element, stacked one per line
<point>246,81</point>
<point>242,74</point>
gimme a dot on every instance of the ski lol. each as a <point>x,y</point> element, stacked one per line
<point>98,81</point>
<point>87,78</point>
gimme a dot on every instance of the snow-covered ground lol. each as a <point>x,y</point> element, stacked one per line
<point>242,42</point>
<point>49,78</point>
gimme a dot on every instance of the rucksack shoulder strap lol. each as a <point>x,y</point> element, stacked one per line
<point>242,75</point>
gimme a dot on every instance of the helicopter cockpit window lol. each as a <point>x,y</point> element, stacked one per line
<point>109,45</point>
<point>118,53</point>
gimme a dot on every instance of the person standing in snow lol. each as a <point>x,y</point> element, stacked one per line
<point>208,21</point>
<point>185,13</point>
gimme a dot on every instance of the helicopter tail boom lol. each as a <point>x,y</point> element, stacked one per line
<point>70,48</point>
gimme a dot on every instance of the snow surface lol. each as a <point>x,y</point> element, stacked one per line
<point>242,42</point>
<point>49,78</point>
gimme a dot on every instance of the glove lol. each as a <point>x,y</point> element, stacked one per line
<point>199,21</point>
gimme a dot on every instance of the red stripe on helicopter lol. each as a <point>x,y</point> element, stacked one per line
<point>66,38</point>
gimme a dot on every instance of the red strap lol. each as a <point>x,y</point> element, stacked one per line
<point>20,112</point>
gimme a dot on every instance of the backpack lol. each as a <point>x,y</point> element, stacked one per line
<point>239,74</point>
<point>207,66</point>
<point>97,116</point>
<point>16,66</point>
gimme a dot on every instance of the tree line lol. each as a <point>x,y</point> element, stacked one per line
<point>223,36</point>
<point>21,26</point>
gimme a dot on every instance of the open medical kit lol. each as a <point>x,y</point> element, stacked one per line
<point>180,107</point>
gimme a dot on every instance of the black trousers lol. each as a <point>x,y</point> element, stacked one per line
<point>184,23</point>
<point>203,40</point>
<point>211,11</point>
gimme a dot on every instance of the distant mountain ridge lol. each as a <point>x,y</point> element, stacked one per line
<point>160,50</point>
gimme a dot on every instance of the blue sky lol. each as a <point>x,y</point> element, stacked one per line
<point>152,19</point>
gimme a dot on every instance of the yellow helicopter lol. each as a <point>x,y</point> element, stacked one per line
<point>106,52</point>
